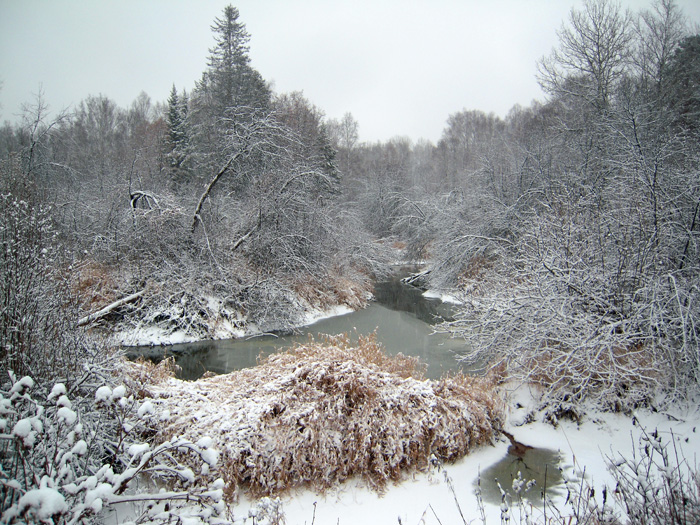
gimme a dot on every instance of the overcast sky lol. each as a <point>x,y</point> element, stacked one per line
<point>399,66</point>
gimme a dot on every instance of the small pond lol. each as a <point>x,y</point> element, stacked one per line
<point>538,464</point>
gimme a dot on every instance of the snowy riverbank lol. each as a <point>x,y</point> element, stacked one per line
<point>426,498</point>
<point>225,325</point>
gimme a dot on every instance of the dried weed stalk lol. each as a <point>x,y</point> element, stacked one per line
<point>322,413</point>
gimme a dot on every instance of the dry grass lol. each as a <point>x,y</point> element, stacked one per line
<point>95,285</point>
<point>142,375</point>
<point>322,413</point>
<point>333,291</point>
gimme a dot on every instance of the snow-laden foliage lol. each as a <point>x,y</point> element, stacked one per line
<point>576,243</point>
<point>321,413</point>
<point>53,468</point>
<point>657,484</point>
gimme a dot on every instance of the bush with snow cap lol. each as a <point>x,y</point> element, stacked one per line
<point>53,470</point>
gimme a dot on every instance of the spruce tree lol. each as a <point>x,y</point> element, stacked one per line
<point>230,81</point>
<point>178,133</point>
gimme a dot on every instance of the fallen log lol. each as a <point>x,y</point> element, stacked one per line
<point>107,309</point>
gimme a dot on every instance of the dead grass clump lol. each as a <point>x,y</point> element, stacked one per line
<point>352,293</point>
<point>322,413</point>
<point>333,291</point>
<point>366,351</point>
<point>141,375</point>
<point>95,286</point>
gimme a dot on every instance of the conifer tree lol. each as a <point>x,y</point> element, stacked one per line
<point>178,133</point>
<point>230,81</point>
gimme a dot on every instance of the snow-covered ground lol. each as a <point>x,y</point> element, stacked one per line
<point>315,315</point>
<point>153,335</point>
<point>426,498</point>
<point>444,297</point>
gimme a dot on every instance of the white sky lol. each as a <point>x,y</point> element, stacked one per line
<point>399,66</point>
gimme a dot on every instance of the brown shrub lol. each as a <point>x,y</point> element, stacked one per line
<point>333,291</point>
<point>322,413</point>
<point>95,286</point>
<point>620,377</point>
<point>474,270</point>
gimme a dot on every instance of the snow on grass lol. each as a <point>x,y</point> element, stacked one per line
<point>320,414</point>
<point>427,499</point>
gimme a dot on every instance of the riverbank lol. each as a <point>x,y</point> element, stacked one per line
<point>447,495</point>
<point>399,315</point>
<point>199,316</point>
<point>154,335</point>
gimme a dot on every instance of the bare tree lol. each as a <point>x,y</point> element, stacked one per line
<point>593,53</point>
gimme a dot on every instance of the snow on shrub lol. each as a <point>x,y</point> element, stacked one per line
<point>321,413</point>
<point>52,467</point>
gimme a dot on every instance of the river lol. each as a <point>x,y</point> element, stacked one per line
<point>401,316</point>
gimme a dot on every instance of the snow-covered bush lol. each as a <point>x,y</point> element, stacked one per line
<point>321,413</point>
<point>657,484</point>
<point>52,468</point>
<point>33,295</point>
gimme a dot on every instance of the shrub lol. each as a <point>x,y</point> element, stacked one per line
<point>53,469</point>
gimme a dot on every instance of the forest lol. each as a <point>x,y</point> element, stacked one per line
<point>568,229</point>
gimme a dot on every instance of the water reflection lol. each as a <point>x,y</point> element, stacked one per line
<point>401,317</point>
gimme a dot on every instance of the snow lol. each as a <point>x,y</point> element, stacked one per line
<point>67,415</point>
<point>119,392</point>
<point>210,456</point>
<point>63,401</point>
<point>59,389</point>
<point>315,315</point>
<point>25,383</point>
<point>80,448</point>
<point>145,408</point>
<point>444,297</point>
<point>138,449</point>
<point>104,393</point>
<point>42,504</point>
<point>152,335</point>
<point>23,429</point>
<point>426,498</point>
<point>205,442</point>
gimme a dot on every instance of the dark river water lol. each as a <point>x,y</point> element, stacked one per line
<point>402,318</point>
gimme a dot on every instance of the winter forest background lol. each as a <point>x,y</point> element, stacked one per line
<point>570,229</point>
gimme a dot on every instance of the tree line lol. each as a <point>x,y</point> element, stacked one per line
<point>570,226</point>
